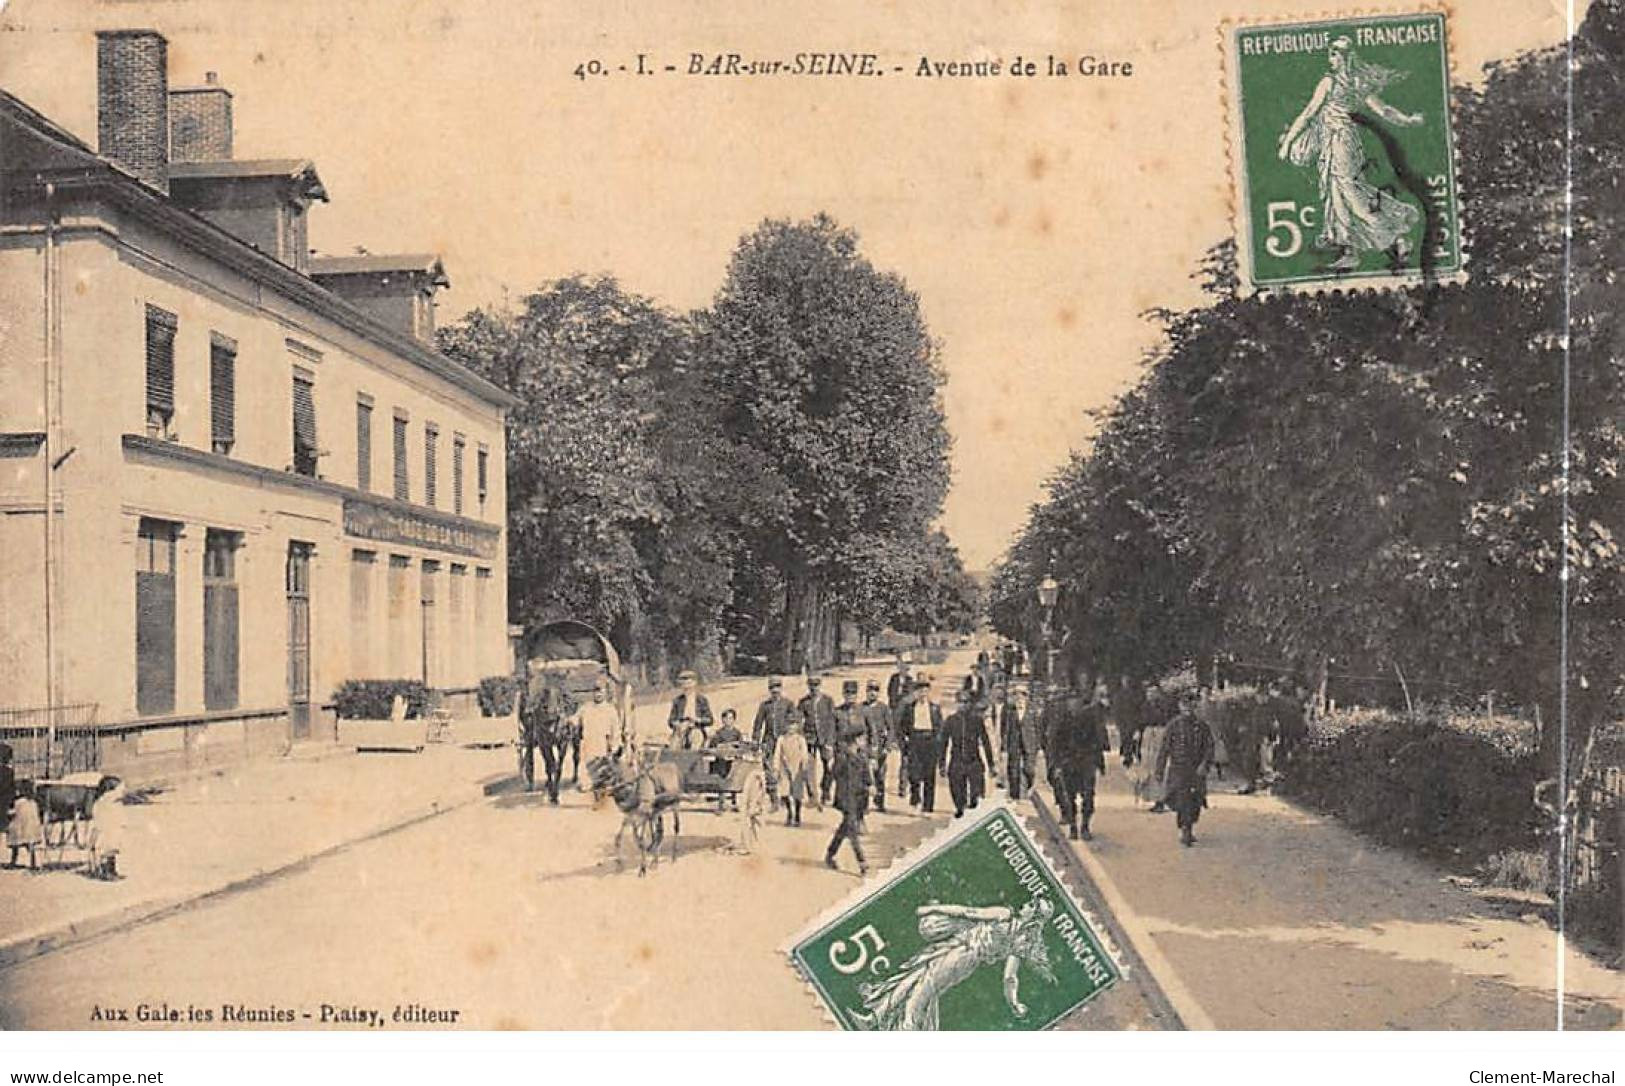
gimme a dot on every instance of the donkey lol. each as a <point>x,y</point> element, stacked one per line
<point>644,797</point>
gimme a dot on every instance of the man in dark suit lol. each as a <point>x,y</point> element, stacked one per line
<point>1022,739</point>
<point>1075,746</point>
<point>920,722</point>
<point>964,744</point>
<point>899,688</point>
<point>772,719</point>
<point>877,722</point>
<point>690,712</point>
<point>818,721</point>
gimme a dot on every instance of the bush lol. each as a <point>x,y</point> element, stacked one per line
<point>497,695</point>
<point>1419,783</point>
<point>372,699</point>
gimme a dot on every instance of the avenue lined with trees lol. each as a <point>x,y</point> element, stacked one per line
<point>1418,487</point>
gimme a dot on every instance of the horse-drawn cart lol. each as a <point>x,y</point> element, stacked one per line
<point>715,775</point>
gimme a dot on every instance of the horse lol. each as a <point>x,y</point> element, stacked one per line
<point>543,726</point>
<point>643,796</point>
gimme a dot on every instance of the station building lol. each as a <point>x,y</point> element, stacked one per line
<point>231,476</point>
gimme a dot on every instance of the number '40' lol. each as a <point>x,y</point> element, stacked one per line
<point>1287,217</point>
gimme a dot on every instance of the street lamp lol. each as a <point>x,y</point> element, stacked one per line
<point>1048,592</point>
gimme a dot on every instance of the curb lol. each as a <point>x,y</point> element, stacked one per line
<point>1168,986</point>
<point>37,944</point>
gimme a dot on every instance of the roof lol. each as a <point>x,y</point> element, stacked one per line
<point>300,170</point>
<point>90,171</point>
<point>381,264</point>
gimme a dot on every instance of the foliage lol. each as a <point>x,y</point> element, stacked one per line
<point>1418,782</point>
<point>828,379</point>
<point>497,695</point>
<point>734,480</point>
<point>374,699</point>
<point>1388,480</point>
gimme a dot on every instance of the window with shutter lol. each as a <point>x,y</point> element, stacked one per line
<point>161,326</point>
<point>457,444</point>
<point>431,438</point>
<point>402,491</point>
<point>222,393</point>
<point>481,467</point>
<point>304,424</point>
<point>363,444</point>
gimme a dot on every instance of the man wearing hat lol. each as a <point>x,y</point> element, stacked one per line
<point>852,782</point>
<point>1075,750</point>
<point>690,712</point>
<point>1022,739</point>
<point>818,720</point>
<point>964,745</point>
<point>920,723</point>
<point>877,723</point>
<point>772,721</point>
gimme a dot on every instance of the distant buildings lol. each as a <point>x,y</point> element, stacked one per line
<point>231,476</point>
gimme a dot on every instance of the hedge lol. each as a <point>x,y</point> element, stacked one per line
<point>497,695</point>
<point>373,699</point>
<point>1421,783</point>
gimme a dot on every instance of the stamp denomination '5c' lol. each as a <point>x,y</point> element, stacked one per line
<point>979,933</point>
<point>1341,147</point>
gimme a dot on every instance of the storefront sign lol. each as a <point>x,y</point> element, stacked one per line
<point>386,524</point>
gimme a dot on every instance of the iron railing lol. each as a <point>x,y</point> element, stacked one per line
<point>36,754</point>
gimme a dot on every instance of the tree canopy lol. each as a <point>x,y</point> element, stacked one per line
<point>1423,482</point>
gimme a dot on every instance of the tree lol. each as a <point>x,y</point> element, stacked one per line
<point>826,375</point>
<point>615,468</point>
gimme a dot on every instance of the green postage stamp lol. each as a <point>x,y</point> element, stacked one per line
<point>974,932</point>
<point>1341,148</point>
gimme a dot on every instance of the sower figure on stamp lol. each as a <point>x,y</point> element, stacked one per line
<point>964,743</point>
<point>1076,751</point>
<point>818,722</point>
<point>1188,750</point>
<point>852,782</point>
<point>921,722</point>
<point>877,723</point>
<point>772,718</point>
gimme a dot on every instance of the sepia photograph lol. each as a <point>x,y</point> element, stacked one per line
<point>714,516</point>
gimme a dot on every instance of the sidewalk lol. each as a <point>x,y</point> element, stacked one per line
<point>1282,919</point>
<point>207,834</point>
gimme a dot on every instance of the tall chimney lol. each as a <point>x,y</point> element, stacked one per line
<point>200,122</point>
<point>132,99</point>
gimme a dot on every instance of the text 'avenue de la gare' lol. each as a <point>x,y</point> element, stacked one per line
<point>860,65</point>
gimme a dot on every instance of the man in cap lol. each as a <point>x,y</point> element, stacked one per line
<point>852,782</point>
<point>920,723</point>
<point>877,722</point>
<point>690,712</point>
<point>818,720</point>
<point>1188,752</point>
<point>964,742</point>
<point>772,721</point>
<point>1075,748</point>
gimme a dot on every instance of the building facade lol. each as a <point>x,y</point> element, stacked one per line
<point>231,477</point>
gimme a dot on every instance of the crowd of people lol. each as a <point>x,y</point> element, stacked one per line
<point>992,727</point>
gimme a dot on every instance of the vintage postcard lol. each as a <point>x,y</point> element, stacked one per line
<point>1019,515</point>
